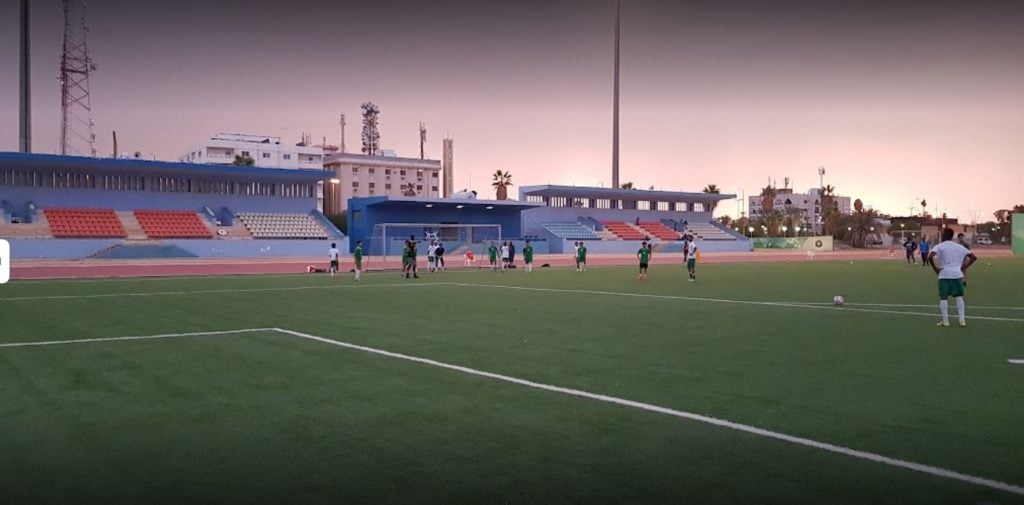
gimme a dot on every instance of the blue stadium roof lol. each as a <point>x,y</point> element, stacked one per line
<point>23,160</point>
<point>441,203</point>
<point>549,190</point>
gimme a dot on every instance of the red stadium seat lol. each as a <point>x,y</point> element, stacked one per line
<point>172,224</point>
<point>84,223</point>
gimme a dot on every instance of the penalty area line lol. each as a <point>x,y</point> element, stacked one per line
<point>136,337</point>
<point>753,430</point>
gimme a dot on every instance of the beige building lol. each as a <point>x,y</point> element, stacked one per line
<point>360,176</point>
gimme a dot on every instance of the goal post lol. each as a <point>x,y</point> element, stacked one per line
<point>388,239</point>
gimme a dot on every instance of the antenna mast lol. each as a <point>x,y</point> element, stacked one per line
<point>342,123</point>
<point>76,123</point>
<point>423,140</point>
<point>371,133</point>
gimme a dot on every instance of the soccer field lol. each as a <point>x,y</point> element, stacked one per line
<point>479,387</point>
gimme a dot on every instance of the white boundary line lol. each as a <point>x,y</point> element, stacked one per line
<point>723,300</point>
<point>205,292</point>
<point>1016,361</point>
<point>144,337</point>
<point>917,305</point>
<point>722,423</point>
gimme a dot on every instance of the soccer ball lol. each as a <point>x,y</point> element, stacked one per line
<point>838,300</point>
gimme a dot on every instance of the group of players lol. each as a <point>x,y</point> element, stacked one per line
<point>508,256</point>
<point>690,250</point>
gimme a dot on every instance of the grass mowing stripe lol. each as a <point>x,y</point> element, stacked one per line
<point>723,300</point>
<point>144,337</point>
<point>753,430</point>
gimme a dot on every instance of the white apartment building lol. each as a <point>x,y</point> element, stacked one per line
<point>266,152</point>
<point>359,175</point>
<point>809,203</point>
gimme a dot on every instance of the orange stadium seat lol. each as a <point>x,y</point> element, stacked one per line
<point>172,224</point>
<point>659,230</point>
<point>623,230</point>
<point>84,223</point>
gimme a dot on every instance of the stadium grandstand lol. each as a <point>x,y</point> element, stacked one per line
<point>618,220</point>
<point>63,207</point>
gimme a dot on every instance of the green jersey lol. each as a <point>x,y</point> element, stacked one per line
<point>582,253</point>
<point>528,254</point>
<point>644,254</point>
<point>359,255</point>
<point>492,253</point>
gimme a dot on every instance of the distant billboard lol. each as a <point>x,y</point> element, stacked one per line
<point>1018,234</point>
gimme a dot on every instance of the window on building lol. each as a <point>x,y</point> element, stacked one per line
<point>419,187</point>
<point>643,205</point>
<point>387,171</point>
<point>401,172</point>
<point>373,185</point>
<point>371,170</point>
<point>434,189</point>
<point>558,201</point>
<point>603,203</point>
<point>287,156</point>
<point>434,175</point>
<point>663,206</point>
<point>245,153</point>
<point>355,184</point>
<point>266,156</point>
<point>355,170</point>
<point>680,206</point>
<point>534,198</point>
<point>698,207</point>
<point>387,187</point>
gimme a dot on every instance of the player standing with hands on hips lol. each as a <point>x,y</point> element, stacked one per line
<point>950,260</point>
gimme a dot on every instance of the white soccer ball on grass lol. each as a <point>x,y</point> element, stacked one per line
<point>838,300</point>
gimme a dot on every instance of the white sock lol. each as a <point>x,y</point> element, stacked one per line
<point>944,308</point>
<point>960,309</point>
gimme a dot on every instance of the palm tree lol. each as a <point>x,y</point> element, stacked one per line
<point>627,185</point>
<point>768,199</point>
<point>861,222</point>
<point>502,180</point>
<point>829,210</point>
<point>711,188</point>
<point>243,161</point>
<point>725,220</point>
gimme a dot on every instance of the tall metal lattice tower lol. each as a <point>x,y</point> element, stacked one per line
<point>76,123</point>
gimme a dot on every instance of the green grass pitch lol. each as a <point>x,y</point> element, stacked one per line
<point>268,417</point>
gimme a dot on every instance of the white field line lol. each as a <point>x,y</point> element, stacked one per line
<point>744,428</point>
<point>144,337</point>
<point>1016,361</point>
<point>912,305</point>
<point>204,292</point>
<point>753,430</point>
<point>723,300</point>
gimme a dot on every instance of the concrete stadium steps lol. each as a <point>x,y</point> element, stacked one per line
<point>84,223</point>
<point>237,231</point>
<point>131,225</point>
<point>38,229</point>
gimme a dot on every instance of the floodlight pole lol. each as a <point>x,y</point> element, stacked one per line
<point>615,103</point>
<point>25,89</point>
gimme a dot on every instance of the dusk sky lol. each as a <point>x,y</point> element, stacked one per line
<point>897,100</point>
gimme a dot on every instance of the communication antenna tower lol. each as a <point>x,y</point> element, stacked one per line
<point>76,123</point>
<point>423,140</point>
<point>342,123</point>
<point>371,133</point>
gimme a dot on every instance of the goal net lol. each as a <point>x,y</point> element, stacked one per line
<point>388,239</point>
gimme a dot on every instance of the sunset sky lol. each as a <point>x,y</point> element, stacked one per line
<point>899,101</point>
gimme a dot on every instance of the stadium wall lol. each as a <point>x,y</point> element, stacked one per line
<point>1017,239</point>
<point>824,243</point>
<point>547,214</point>
<point>74,249</point>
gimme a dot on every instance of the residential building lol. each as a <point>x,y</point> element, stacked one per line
<point>360,176</point>
<point>265,151</point>
<point>809,204</point>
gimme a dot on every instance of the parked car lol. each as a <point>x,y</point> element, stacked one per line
<point>984,241</point>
